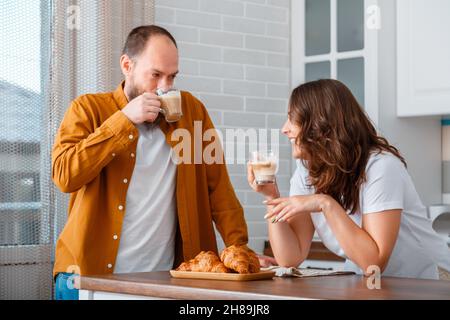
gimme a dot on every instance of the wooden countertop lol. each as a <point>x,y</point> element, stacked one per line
<point>162,285</point>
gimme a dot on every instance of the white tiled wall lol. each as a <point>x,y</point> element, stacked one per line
<point>235,57</point>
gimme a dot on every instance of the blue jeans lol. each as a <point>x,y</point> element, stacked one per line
<point>64,289</point>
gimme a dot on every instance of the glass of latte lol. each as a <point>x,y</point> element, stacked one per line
<point>170,104</point>
<point>264,165</point>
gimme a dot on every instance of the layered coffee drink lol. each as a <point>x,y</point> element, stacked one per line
<point>264,172</point>
<point>171,105</point>
<point>264,165</point>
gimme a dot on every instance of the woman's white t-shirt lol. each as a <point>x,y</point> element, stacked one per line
<point>419,249</point>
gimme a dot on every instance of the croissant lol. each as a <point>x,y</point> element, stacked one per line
<point>240,259</point>
<point>205,261</point>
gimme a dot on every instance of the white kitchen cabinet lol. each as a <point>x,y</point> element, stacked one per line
<point>103,295</point>
<point>423,57</point>
<point>323,264</point>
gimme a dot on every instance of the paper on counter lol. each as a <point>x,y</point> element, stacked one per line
<point>303,273</point>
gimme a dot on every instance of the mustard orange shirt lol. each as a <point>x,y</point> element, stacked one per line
<point>95,150</point>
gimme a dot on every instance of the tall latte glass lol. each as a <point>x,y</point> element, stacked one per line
<point>264,165</point>
<point>170,104</point>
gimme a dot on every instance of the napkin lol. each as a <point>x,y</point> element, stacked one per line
<point>303,273</point>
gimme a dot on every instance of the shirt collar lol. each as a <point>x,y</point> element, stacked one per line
<point>119,96</point>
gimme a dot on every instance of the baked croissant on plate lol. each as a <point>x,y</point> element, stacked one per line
<point>240,259</point>
<point>205,261</point>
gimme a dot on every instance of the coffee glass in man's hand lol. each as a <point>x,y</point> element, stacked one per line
<point>264,165</point>
<point>170,104</point>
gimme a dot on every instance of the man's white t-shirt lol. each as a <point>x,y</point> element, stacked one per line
<point>419,249</point>
<point>147,241</point>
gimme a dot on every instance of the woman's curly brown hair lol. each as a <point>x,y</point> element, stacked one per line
<point>336,138</point>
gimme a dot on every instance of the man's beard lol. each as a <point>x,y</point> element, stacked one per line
<point>133,90</point>
<point>133,93</point>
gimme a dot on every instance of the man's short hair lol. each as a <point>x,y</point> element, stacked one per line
<point>138,38</point>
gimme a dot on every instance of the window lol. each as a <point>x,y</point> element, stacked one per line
<point>46,64</point>
<point>20,122</point>
<point>330,40</point>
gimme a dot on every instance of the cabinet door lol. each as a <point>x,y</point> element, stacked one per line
<point>423,57</point>
<point>336,39</point>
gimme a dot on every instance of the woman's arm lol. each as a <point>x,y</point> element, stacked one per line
<point>291,240</point>
<point>370,245</point>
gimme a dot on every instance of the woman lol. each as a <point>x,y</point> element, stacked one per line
<point>351,187</point>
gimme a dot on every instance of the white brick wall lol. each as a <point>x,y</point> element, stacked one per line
<point>234,56</point>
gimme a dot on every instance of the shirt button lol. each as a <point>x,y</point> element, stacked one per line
<point>130,137</point>
<point>125,180</point>
<point>132,155</point>
<point>109,265</point>
<point>113,154</point>
<point>121,207</point>
<point>115,237</point>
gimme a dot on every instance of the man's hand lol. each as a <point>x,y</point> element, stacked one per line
<point>144,108</point>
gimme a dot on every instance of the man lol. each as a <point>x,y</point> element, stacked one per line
<point>132,209</point>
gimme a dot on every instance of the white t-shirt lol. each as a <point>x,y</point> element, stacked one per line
<point>419,249</point>
<point>147,241</point>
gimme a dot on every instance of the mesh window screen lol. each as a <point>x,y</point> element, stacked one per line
<point>24,237</point>
<point>48,59</point>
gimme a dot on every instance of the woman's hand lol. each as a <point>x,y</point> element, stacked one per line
<point>286,208</point>
<point>266,261</point>
<point>270,191</point>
